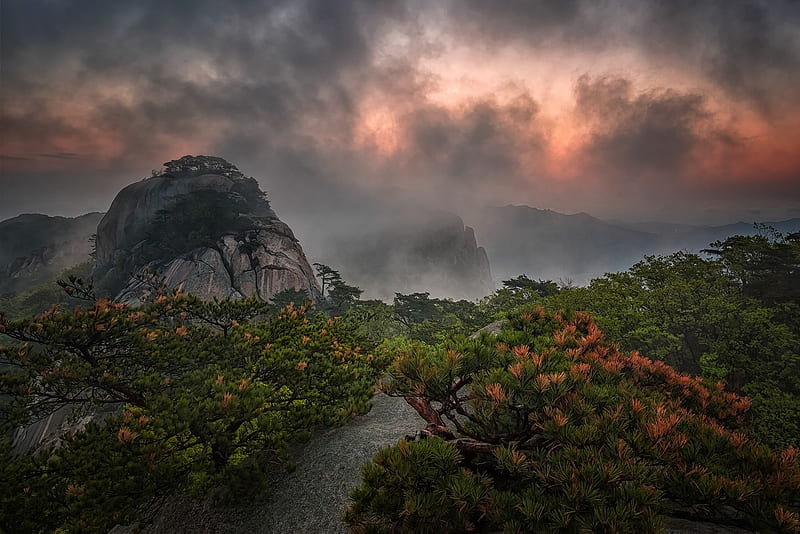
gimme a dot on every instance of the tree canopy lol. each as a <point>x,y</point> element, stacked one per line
<point>551,425</point>
<point>202,397</point>
<point>693,314</point>
<point>548,428</point>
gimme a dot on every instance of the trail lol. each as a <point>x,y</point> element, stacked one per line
<point>310,499</point>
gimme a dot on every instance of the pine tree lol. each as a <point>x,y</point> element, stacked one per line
<point>548,428</point>
<point>201,394</point>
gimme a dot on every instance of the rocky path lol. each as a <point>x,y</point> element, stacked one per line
<point>311,499</point>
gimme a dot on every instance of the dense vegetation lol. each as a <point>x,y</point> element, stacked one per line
<point>548,428</point>
<point>731,314</point>
<point>568,433</point>
<point>734,316</point>
<point>41,297</point>
<point>204,396</point>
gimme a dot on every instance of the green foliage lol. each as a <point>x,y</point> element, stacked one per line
<point>527,287</point>
<point>327,276</point>
<point>341,296</point>
<point>374,320</point>
<point>734,316</point>
<point>203,396</point>
<point>548,428</point>
<point>765,266</point>
<point>415,315</point>
<point>515,293</point>
<point>431,320</point>
<point>286,297</point>
<point>191,222</point>
<point>690,313</point>
<point>661,306</point>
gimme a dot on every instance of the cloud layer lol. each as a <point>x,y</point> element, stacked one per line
<point>622,108</point>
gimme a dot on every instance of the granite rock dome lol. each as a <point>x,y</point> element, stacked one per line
<point>204,227</point>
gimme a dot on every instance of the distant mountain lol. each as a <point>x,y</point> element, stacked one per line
<point>408,251</point>
<point>35,248</point>
<point>694,238</point>
<point>389,248</point>
<point>550,245</point>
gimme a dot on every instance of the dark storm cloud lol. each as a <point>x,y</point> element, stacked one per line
<point>748,48</point>
<point>662,154</point>
<point>634,134</point>
<point>269,63</point>
<point>277,87</point>
<point>480,146</point>
<point>265,84</point>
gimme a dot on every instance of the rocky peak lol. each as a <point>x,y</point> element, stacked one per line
<point>430,251</point>
<point>204,226</point>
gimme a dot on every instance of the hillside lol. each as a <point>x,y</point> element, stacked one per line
<point>35,248</point>
<point>550,245</point>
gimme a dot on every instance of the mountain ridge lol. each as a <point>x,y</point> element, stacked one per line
<point>430,251</point>
<point>543,243</point>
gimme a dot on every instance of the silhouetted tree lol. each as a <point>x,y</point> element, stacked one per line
<point>327,276</point>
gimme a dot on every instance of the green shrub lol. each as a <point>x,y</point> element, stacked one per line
<point>204,396</point>
<point>547,428</point>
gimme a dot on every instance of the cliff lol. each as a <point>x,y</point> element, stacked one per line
<point>412,251</point>
<point>203,227</point>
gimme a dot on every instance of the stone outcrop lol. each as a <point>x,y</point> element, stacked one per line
<point>203,227</point>
<point>272,261</point>
<point>413,251</point>
<point>200,226</point>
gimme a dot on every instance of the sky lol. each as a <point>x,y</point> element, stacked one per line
<point>678,111</point>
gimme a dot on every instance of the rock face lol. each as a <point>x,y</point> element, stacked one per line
<point>35,248</point>
<point>426,251</point>
<point>203,227</point>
